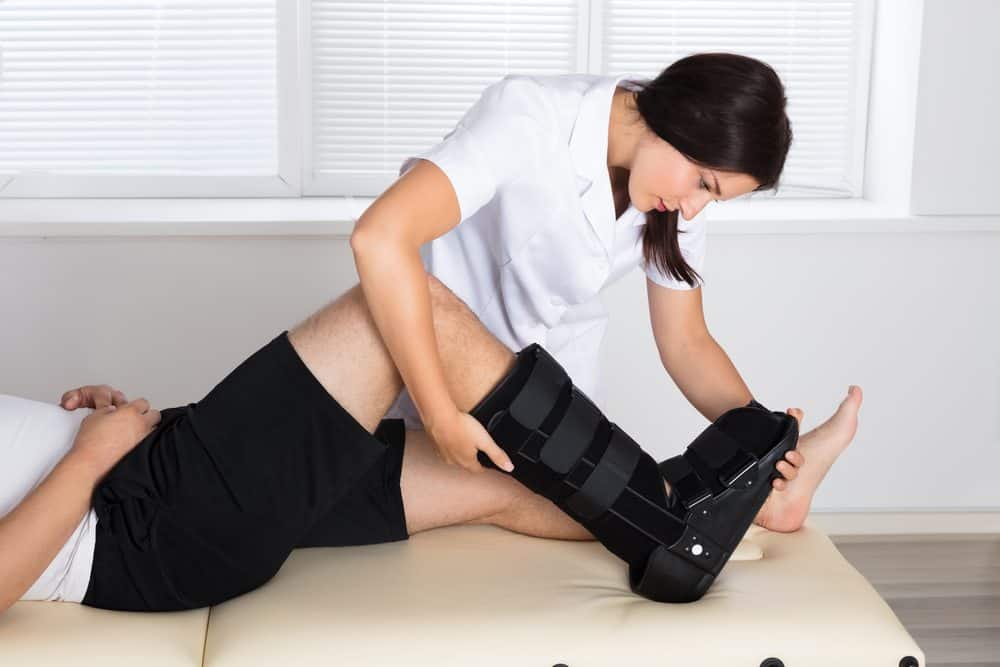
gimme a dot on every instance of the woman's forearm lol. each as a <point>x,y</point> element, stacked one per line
<point>394,283</point>
<point>706,376</point>
<point>33,532</point>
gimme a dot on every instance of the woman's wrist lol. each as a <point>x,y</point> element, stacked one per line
<point>440,418</point>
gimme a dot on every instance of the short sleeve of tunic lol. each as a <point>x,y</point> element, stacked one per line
<point>505,135</point>
<point>692,244</point>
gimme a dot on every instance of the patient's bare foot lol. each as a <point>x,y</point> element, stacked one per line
<point>788,505</point>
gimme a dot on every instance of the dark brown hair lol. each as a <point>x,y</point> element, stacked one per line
<point>721,111</point>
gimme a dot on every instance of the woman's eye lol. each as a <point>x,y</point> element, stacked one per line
<point>704,185</point>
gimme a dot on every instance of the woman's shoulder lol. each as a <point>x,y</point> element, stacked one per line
<point>519,96</point>
<point>552,97</point>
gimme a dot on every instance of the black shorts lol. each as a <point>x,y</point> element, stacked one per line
<point>209,505</point>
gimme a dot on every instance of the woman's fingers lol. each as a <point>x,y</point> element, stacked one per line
<point>497,455</point>
<point>787,470</point>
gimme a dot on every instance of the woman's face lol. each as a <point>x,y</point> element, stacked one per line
<point>660,172</point>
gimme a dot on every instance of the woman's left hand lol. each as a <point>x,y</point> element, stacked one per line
<point>95,396</point>
<point>793,461</point>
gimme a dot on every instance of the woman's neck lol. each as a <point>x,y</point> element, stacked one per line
<point>623,139</point>
<point>624,130</point>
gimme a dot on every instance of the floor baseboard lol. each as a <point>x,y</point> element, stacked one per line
<point>908,523</point>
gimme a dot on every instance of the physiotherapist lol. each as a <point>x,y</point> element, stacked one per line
<point>549,189</point>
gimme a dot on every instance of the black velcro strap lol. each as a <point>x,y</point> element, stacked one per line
<point>736,466</point>
<point>684,481</point>
<point>609,478</point>
<point>722,453</point>
<point>570,439</point>
<point>508,433</point>
<point>540,391</point>
<point>522,446</point>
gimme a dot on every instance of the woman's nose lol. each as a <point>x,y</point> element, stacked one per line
<point>689,208</point>
<point>692,206</point>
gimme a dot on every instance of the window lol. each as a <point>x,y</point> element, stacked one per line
<point>820,49</point>
<point>139,98</point>
<point>289,98</point>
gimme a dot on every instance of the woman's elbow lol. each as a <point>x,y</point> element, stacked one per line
<point>368,237</point>
<point>360,237</point>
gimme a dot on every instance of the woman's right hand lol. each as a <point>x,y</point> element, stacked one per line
<point>459,439</point>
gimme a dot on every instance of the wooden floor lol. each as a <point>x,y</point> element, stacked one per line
<point>944,588</point>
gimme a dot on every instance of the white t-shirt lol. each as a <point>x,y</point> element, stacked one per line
<point>538,238</point>
<point>34,437</point>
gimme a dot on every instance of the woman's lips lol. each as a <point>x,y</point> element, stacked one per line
<point>660,206</point>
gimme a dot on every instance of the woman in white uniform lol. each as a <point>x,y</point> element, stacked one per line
<point>549,189</point>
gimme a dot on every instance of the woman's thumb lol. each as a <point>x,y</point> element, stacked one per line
<point>499,457</point>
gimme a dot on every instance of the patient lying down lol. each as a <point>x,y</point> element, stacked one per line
<point>109,502</point>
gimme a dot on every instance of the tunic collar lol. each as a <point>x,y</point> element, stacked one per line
<point>588,145</point>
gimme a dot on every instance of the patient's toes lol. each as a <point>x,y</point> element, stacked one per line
<point>854,394</point>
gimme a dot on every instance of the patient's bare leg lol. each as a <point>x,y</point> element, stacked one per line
<point>341,346</point>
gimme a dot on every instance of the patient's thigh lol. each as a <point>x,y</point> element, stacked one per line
<point>341,346</point>
<point>437,494</point>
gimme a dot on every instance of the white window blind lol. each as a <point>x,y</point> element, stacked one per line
<point>218,98</point>
<point>819,48</point>
<point>101,97</point>
<point>390,78</point>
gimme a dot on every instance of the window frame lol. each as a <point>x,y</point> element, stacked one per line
<point>292,204</point>
<point>285,183</point>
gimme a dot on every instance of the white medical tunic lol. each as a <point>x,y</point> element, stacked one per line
<point>538,237</point>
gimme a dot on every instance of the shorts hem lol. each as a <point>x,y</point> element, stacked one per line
<point>302,377</point>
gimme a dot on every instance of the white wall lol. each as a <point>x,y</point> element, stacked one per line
<point>905,316</point>
<point>911,318</point>
<point>161,317</point>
